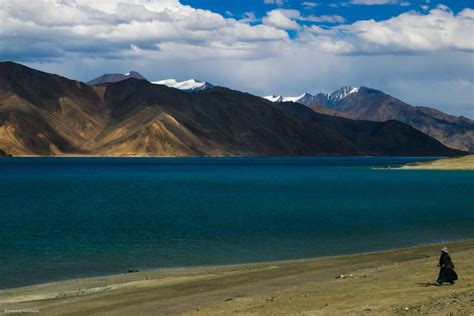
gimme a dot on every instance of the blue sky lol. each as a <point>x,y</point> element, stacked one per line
<point>350,11</point>
<point>421,51</point>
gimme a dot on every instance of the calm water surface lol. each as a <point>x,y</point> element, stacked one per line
<point>68,218</point>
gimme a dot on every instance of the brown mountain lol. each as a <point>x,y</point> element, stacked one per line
<point>110,78</point>
<point>45,114</point>
<point>325,110</point>
<point>390,138</point>
<point>374,105</point>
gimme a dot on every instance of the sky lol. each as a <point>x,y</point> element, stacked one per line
<point>421,51</point>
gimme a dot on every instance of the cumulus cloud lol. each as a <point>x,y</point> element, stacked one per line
<point>286,19</point>
<point>111,27</point>
<point>407,33</point>
<point>282,19</point>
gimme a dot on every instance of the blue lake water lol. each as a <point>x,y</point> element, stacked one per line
<point>68,218</point>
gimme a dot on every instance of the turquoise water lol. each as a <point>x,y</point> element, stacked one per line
<point>68,218</point>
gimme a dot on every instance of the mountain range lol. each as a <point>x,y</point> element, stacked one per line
<point>48,115</point>
<point>190,85</point>
<point>369,104</point>
<point>360,103</point>
<point>324,99</point>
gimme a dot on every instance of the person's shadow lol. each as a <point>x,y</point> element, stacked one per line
<point>427,284</point>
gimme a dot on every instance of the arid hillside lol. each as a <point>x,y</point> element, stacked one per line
<point>47,115</point>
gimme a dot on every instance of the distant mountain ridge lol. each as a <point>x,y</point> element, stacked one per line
<point>190,85</point>
<point>369,104</point>
<point>324,99</point>
<point>49,115</point>
<point>111,78</point>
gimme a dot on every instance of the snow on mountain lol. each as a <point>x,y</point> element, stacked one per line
<point>274,98</point>
<point>305,99</point>
<point>190,85</point>
<point>320,98</point>
<point>279,98</point>
<point>295,99</point>
<point>341,93</point>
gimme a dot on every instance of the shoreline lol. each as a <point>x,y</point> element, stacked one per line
<point>175,290</point>
<point>429,158</point>
<point>465,163</point>
<point>237,265</point>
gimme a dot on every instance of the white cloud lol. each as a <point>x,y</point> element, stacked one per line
<point>248,17</point>
<point>290,13</point>
<point>309,4</point>
<point>286,19</point>
<point>281,19</point>
<point>110,27</point>
<point>277,2</point>
<point>407,33</point>
<point>325,18</point>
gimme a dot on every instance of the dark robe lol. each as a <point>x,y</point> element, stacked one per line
<point>446,273</point>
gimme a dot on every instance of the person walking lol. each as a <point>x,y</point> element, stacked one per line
<point>446,272</point>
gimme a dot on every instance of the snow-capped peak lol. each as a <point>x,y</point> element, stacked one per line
<point>342,93</point>
<point>166,82</point>
<point>279,98</point>
<point>274,98</point>
<point>190,85</point>
<point>295,99</point>
<point>305,98</point>
<point>322,98</point>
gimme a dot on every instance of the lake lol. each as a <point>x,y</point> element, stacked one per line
<point>65,218</point>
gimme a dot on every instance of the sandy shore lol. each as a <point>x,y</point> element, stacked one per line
<point>460,163</point>
<point>383,283</point>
